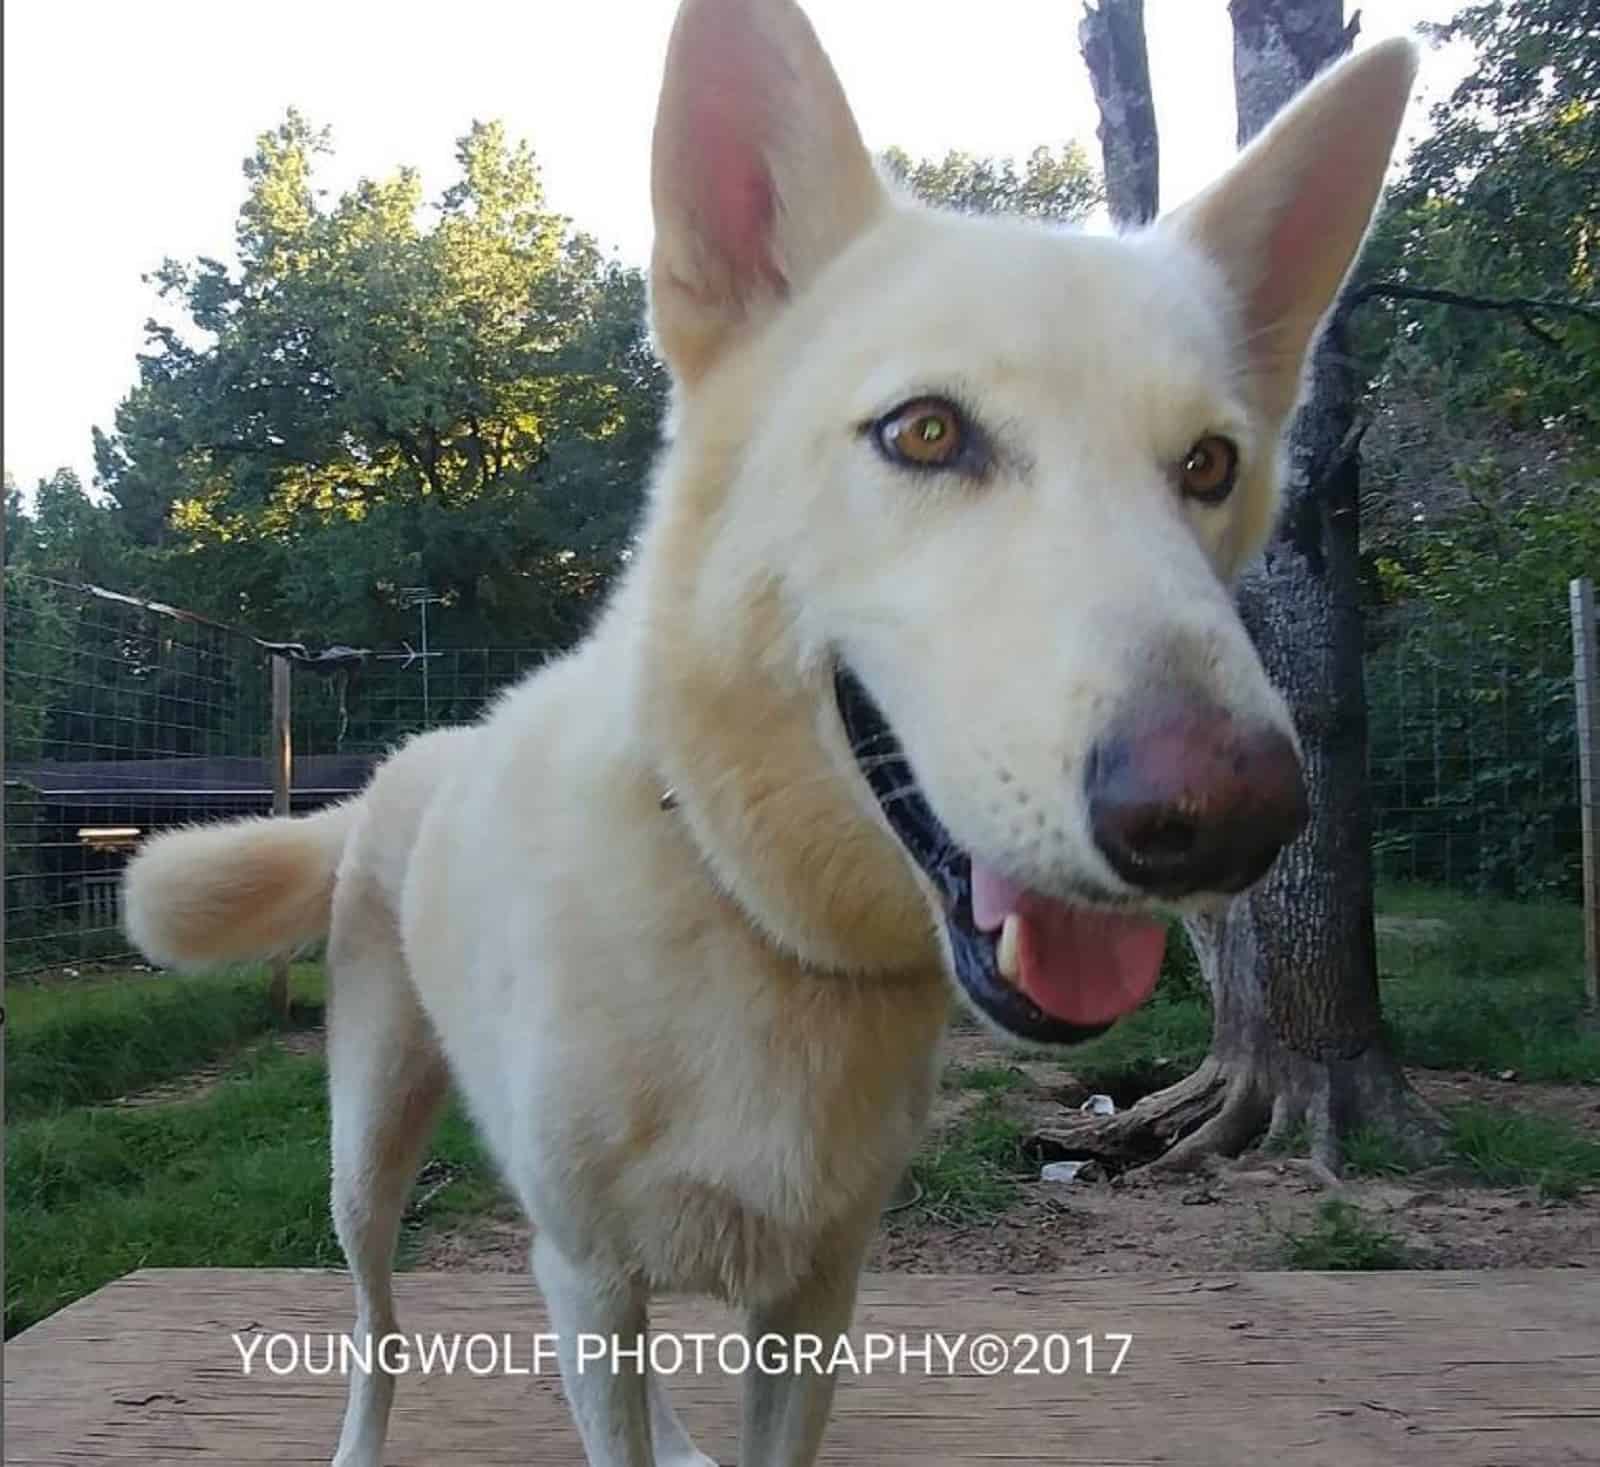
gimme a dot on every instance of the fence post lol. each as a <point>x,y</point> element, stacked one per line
<point>281,756</point>
<point>4,1044</point>
<point>1586,698</point>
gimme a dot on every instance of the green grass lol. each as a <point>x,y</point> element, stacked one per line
<point>987,1078</point>
<point>1512,1148</point>
<point>1370,1152</point>
<point>1153,1046</point>
<point>1341,1239</point>
<point>1499,1147</point>
<point>80,1043</point>
<point>236,1178</point>
<point>1502,989</point>
<point>971,1171</point>
<point>239,1175</point>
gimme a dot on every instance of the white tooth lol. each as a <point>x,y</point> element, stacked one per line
<point>1006,955</point>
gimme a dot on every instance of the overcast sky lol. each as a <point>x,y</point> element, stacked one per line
<point>126,124</point>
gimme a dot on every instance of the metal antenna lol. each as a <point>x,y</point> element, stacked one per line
<point>422,597</point>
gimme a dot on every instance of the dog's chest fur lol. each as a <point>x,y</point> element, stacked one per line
<point>752,1195</point>
<point>726,1162</point>
<point>668,1092</point>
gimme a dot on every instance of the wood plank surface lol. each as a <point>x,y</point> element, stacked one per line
<point>1330,1370</point>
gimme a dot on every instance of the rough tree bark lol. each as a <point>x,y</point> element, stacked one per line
<point>1111,37</point>
<point>1297,1034</point>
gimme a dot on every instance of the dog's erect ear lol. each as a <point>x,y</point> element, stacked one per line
<point>1286,222</point>
<point>758,175</point>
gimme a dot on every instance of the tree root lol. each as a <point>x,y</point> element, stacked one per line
<point>1222,1109</point>
<point>1212,1111</point>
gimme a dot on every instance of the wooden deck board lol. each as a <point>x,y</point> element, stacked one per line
<point>1457,1369</point>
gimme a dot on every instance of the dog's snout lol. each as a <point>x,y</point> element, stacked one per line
<point>1185,798</point>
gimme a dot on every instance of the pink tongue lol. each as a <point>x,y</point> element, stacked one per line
<point>1079,965</point>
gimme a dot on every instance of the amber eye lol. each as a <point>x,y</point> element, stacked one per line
<point>1210,469</point>
<point>926,433</point>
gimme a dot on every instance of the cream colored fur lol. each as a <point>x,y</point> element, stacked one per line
<point>701,1043</point>
<point>224,893</point>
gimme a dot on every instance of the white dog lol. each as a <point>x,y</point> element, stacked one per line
<point>928,633</point>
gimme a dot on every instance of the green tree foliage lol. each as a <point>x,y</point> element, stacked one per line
<point>1482,462</point>
<point>388,393</point>
<point>1502,201</point>
<point>1054,184</point>
<point>68,535</point>
<point>37,634</point>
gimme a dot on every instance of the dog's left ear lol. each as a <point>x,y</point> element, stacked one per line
<point>758,174</point>
<point>1286,222</point>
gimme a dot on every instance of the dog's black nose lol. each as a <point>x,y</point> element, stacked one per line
<point>1185,798</point>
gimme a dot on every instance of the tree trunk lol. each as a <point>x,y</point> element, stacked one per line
<point>1278,46</point>
<point>1111,37</point>
<point>1304,937</point>
<point>1297,1036</point>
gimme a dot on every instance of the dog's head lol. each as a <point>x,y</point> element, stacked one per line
<point>965,496</point>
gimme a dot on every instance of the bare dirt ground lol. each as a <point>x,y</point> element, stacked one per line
<point>1232,1217</point>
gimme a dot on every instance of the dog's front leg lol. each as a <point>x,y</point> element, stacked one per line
<point>610,1400</point>
<point>672,1444</point>
<point>785,1412</point>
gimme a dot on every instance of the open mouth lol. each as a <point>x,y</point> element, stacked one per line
<point>1041,969</point>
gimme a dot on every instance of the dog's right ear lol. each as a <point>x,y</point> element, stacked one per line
<point>758,174</point>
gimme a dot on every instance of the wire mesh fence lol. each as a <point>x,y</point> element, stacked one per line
<point>123,717</point>
<point>1472,757</point>
<point>117,721</point>
<point>367,704</point>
